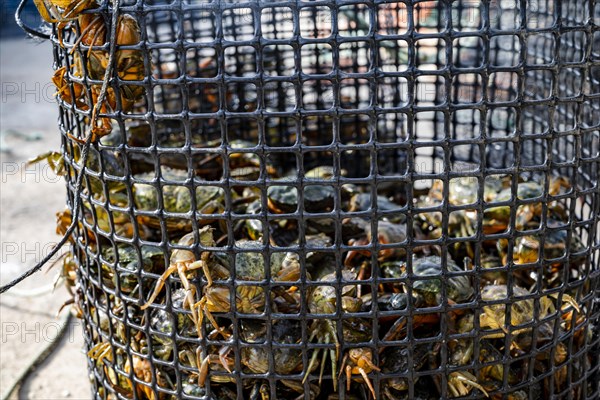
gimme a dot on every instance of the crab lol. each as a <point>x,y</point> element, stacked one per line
<point>527,248</point>
<point>361,202</point>
<point>105,356</point>
<point>166,323</point>
<point>497,218</point>
<point>395,360</point>
<point>216,299</point>
<point>121,269</point>
<point>387,233</point>
<point>493,270</point>
<point>184,261</point>
<point>176,199</point>
<point>464,190</point>
<point>62,11</point>
<point>427,288</point>
<point>494,316</point>
<point>246,165</point>
<point>426,282</point>
<point>460,383</point>
<point>284,198</point>
<point>249,266</point>
<point>461,191</point>
<point>286,360</point>
<point>322,300</point>
<point>491,375</point>
<point>359,361</point>
<point>129,65</point>
<point>558,363</point>
<point>194,359</point>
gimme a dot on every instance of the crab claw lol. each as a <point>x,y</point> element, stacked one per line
<point>354,253</point>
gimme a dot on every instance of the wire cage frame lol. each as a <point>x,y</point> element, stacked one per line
<point>383,96</point>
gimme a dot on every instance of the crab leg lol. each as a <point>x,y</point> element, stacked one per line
<point>324,358</point>
<point>203,371</point>
<point>202,305</point>
<point>202,264</point>
<point>361,276</point>
<point>84,32</point>
<point>159,284</point>
<point>394,331</point>
<point>469,379</point>
<point>367,381</point>
<point>181,271</point>
<point>335,352</point>
<point>354,253</point>
<point>313,358</point>
<point>348,375</point>
<point>333,367</point>
<point>100,351</point>
<point>75,8</point>
<point>223,358</point>
<point>45,14</point>
<point>401,323</point>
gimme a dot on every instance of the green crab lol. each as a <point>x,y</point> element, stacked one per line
<point>249,266</point>
<point>287,360</point>
<point>122,269</point>
<point>522,306</point>
<point>284,199</point>
<point>322,300</point>
<point>184,261</point>
<point>168,323</point>
<point>176,198</point>
<point>387,233</point>
<point>527,248</point>
<point>395,361</point>
<point>497,218</point>
<point>427,287</point>
<point>426,279</point>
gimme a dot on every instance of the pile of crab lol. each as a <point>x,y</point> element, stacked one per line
<point>223,290</point>
<point>197,282</point>
<point>83,34</point>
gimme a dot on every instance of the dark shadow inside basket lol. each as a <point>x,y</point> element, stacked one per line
<point>212,85</point>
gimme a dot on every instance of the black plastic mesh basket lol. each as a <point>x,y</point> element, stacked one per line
<point>429,167</point>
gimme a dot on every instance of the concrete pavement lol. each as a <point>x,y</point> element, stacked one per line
<point>29,199</point>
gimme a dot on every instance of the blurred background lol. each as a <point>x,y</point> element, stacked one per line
<point>30,196</point>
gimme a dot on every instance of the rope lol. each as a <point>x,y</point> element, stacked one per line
<point>84,155</point>
<point>39,358</point>
<point>30,31</point>
<point>35,292</point>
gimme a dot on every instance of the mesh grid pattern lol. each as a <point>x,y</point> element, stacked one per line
<point>403,94</point>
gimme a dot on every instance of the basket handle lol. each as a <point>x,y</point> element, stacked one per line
<point>28,29</point>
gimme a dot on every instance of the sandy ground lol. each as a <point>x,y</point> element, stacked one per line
<point>29,199</point>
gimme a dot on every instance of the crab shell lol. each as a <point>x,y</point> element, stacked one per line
<point>458,287</point>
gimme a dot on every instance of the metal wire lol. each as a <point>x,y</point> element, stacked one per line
<point>401,94</point>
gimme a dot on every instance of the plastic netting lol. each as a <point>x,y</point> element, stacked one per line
<point>297,129</point>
